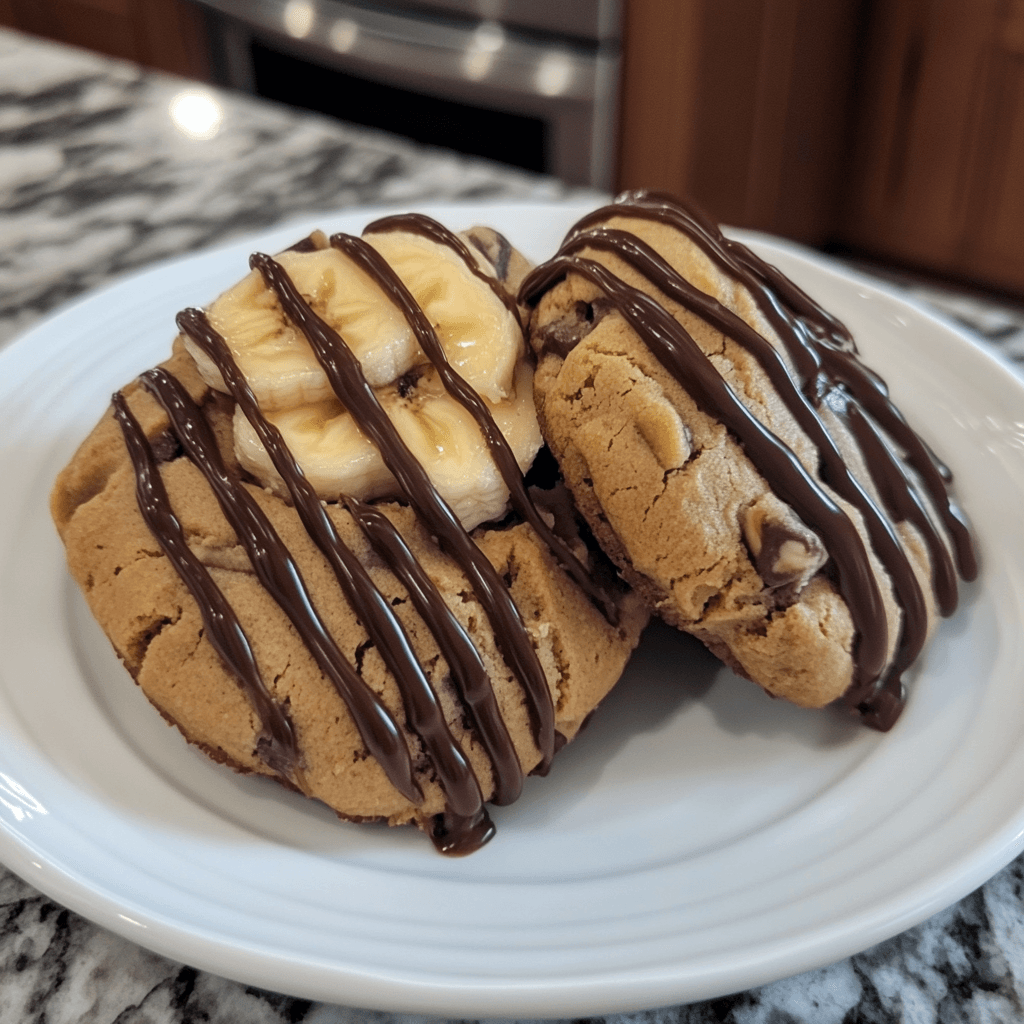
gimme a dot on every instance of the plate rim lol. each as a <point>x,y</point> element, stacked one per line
<point>17,849</point>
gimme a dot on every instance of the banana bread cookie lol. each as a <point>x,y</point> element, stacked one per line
<point>319,557</point>
<point>746,472</point>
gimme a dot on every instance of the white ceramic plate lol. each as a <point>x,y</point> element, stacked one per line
<point>697,839</point>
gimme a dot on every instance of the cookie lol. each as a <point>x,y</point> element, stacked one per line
<point>738,462</point>
<point>364,628</point>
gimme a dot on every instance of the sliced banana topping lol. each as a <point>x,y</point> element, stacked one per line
<point>338,459</point>
<point>478,334</point>
<point>480,337</point>
<point>275,356</point>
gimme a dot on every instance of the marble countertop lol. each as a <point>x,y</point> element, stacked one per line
<point>95,181</point>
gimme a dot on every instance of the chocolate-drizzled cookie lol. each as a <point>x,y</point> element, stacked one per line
<point>380,649</point>
<point>746,472</point>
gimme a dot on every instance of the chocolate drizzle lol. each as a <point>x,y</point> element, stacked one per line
<point>456,836</point>
<point>432,230</point>
<point>374,612</point>
<point>464,825</point>
<point>463,659</point>
<point>276,745</point>
<point>278,572</point>
<point>825,372</point>
<point>685,360</point>
<point>815,341</point>
<point>346,378</point>
<point>836,473</point>
<point>369,260</point>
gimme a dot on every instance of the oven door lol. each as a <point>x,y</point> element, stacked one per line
<point>570,84</point>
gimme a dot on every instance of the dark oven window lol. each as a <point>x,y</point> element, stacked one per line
<point>510,138</point>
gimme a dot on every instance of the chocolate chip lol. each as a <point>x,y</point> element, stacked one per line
<point>166,447</point>
<point>562,336</point>
<point>784,552</point>
<point>496,247</point>
<point>406,384</point>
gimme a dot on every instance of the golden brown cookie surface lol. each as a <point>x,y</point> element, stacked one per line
<point>736,460</point>
<point>388,706</point>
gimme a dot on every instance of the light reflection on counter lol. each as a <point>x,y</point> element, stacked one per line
<point>196,113</point>
<point>343,35</point>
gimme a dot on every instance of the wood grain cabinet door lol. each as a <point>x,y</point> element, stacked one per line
<point>937,178</point>
<point>744,105</point>
<point>893,128</point>
<point>169,35</point>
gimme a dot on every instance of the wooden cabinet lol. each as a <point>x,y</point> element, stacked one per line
<point>891,128</point>
<point>165,34</point>
<point>743,104</point>
<point>894,128</point>
<point>937,178</point>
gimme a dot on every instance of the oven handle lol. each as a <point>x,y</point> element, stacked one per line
<point>471,61</point>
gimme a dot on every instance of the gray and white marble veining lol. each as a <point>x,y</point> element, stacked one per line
<point>95,181</point>
<point>999,322</point>
<point>965,964</point>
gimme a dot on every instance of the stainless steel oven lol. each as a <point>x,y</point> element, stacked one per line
<point>529,82</point>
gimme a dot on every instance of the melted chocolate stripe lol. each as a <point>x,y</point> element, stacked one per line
<point>457,836</point>
<point>886,706</point>
<point>276,746</point>
<point>279,574</point>
<point>797,309</point>
<point>847,370</point>
<point>464,662</point>
<point>824,327</point>
<point>829,333</point>
<point>684,359</point>
<point>503,257</point>
<point>432,230</point>
<point>366,257</point>
<point>346,378</point>
<point>901,497</point>
<point>811,336</point>
<point>890,479</point>
<point>801,351</point>
<point>422,709</point>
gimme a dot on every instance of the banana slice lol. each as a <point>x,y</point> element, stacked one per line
<point>276,358</point>
<point>480,336</point>
<point>508,265</point>
<point>338,459</point>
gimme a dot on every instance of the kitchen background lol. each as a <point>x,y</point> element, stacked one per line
<point>888,130</point>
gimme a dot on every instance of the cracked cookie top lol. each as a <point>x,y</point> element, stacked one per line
<point>378,657</point>
<point>736,459</point>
